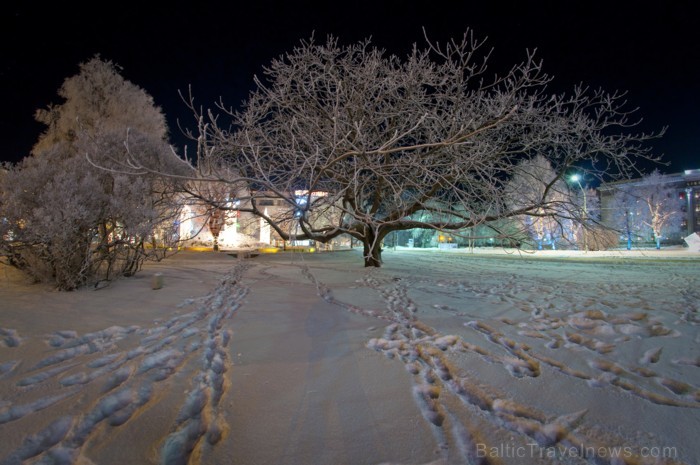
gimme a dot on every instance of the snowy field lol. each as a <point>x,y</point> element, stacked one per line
<point>438,357</point>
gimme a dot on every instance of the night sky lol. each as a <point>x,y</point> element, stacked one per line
<point>650,49</point>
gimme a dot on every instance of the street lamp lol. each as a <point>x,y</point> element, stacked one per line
<point>577,179</point>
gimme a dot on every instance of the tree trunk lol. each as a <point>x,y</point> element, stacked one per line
<point>628,230</point>
<point>372,247</point>
<point>372,253</point>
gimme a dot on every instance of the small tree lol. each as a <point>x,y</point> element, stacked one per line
<point>70,222</point>
<point>427,141</point>
<point>659,206</point>
<point>625,217</point>
<point>586,228</point>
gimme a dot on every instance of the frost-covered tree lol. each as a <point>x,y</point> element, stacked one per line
<point>535,183</point>
<point>586,229</point>
<point>625,216</point>
<point>564,213</point>
<point>68,221</point>
<point>661,212</point>
<point>429,140</point>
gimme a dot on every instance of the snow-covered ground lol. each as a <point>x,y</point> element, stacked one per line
<point>442,357</point>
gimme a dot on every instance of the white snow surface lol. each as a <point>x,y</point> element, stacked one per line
<point>438,357</point>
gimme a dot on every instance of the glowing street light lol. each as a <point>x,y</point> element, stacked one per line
<point>577,179</point>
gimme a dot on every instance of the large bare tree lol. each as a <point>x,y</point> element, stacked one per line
<point>429,140</point>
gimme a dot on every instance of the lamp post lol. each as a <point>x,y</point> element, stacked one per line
<point>577,179</point>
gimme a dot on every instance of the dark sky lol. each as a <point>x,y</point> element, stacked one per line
<point>649,49</point>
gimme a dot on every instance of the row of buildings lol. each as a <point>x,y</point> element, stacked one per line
<point>234,229</point>
<point>231,228</point>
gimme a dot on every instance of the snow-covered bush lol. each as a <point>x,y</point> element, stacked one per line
<point>70,222</point>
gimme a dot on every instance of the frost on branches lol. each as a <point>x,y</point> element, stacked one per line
<point>71,223</point>
<point>430,140</point>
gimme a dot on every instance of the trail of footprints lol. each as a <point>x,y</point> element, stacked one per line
<point>428,356</point>
<point>129,380</point>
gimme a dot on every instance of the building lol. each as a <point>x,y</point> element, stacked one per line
<point>686,188</point>
<point>232,228</point>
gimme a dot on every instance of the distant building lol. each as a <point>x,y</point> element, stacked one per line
<point>687,189</point>
<point>231,228</point>
<point>200,225</point>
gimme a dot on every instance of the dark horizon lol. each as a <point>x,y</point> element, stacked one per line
<point>651,53</point>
